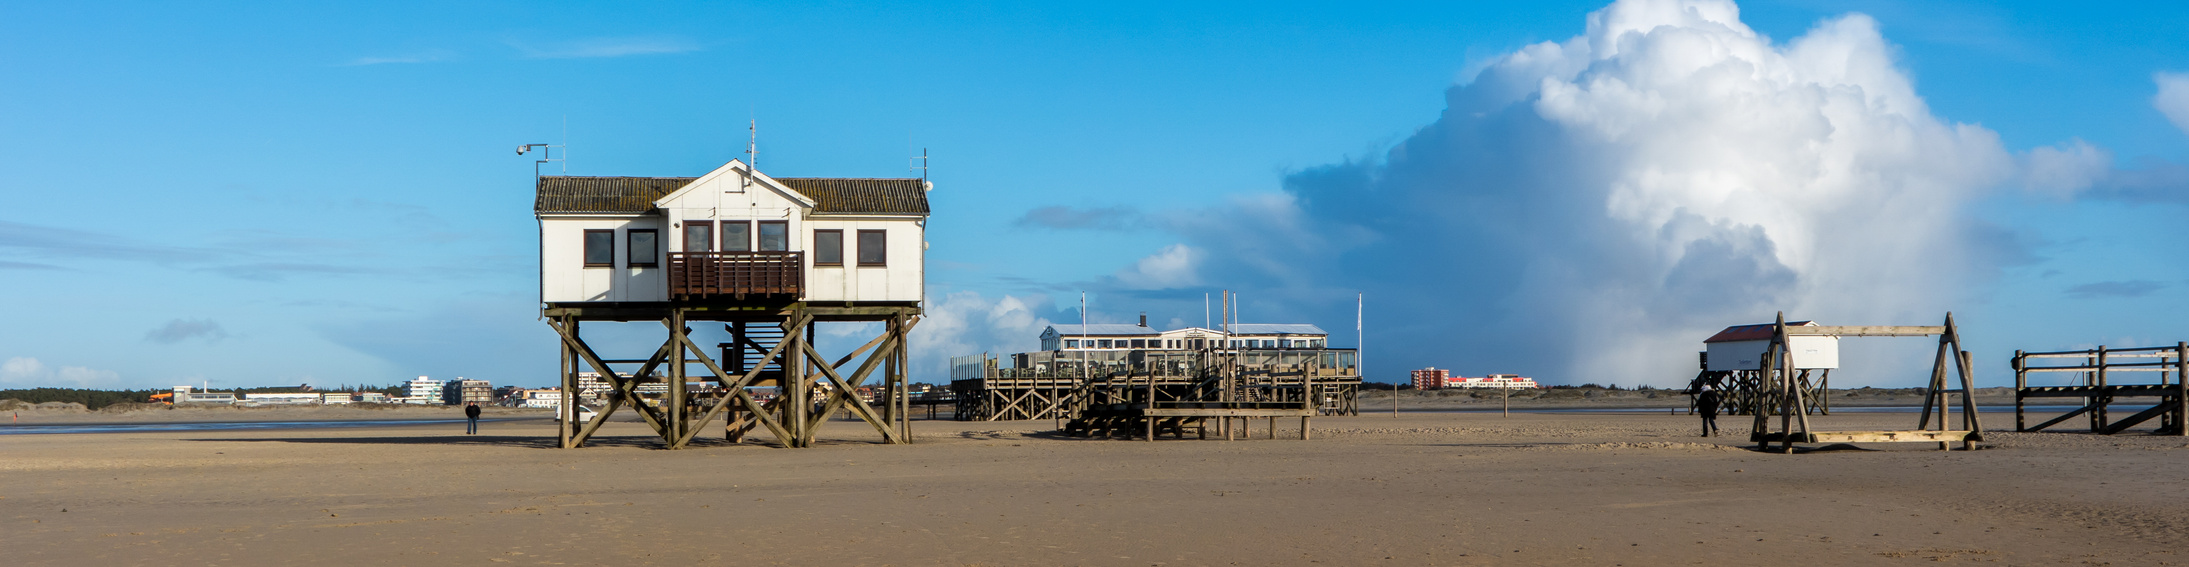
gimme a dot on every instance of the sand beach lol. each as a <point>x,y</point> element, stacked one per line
<point>1422,488</point>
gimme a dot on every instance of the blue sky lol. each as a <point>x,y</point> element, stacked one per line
<point>263,195</point>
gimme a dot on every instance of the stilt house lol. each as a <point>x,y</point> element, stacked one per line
<point>732,233</point>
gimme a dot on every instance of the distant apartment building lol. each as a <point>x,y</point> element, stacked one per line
<point>424,391</point>
<point>460,392</point>
<point>1431,378</point>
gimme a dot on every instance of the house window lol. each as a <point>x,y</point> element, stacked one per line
<point>698,236</point>
<point>600,248</point>
<point>1140,343</point>
<point>642,250</point>
<point>774,236</point>
<point>1104,343</point>
<point>736,236</point>
<point>873,248</point>
<point>828,248</point>
<point>1072,343</point>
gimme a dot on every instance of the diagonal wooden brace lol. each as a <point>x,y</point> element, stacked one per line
<point>737,387</point>
<point>849,391</point>
<point>626,389</point>
<point>585,352</point>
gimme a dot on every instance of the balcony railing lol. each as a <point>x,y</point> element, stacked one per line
<point>715,275</point>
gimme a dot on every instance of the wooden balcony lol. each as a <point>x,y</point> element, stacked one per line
<point>735,275</point>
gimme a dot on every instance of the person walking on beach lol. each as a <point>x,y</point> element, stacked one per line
<point>471,412</point>
<point>1707,405</point>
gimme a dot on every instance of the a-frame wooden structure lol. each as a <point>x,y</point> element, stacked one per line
<point>809,387</point>
<point>1787,394</point>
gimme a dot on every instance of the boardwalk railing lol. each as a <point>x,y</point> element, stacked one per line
<point>708,275</point>
<point>2094,383</point>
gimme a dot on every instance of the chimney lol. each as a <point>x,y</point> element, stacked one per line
<point>1143,318</point>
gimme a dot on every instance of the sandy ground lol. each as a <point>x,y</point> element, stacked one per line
<point>1419,489</point>
<point>1380,400</point>
<point>150,413</point>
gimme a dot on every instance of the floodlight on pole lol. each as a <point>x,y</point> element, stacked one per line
<point>547,154</point>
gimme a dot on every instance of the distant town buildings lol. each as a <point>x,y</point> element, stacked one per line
<point>1431,378</point>
<point>271,399</point>
<point>1123,337</point>
<point>548,398</point>
<point>184,395</point>
<point>461,391</point>
<point>424,391</point>
<point>1438,379</point>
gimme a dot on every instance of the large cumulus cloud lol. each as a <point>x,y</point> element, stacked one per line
<point>1588,210</point>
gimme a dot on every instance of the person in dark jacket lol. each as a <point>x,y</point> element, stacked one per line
<point>1707,405</point>
<point>471,412</point>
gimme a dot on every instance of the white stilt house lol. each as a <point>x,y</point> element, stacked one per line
<point>768,258</point>
<point>1741,348</point>
<point>732,232</point>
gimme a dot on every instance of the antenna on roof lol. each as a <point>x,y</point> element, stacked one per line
<point>752,147</point>
<point>920,164</point>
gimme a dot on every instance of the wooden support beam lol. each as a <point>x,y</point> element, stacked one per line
<point>849,391</point>
<point>2139,417</point>
<point>1866,331</point>
<point>2063,417</point>
<point>585,352</point>
<point>736,389</point>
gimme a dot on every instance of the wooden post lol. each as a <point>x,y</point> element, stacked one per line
<point>2098,418</point>
<point>2181,388</point>
<point>674,401</point>
<point>2021,383</point>
<point>793,389</point>
<point>1303,428</point>
<point>566,426</point>
<point>1970,421</point>
<point>1938,376</point>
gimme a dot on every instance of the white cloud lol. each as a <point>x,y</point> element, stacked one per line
<point>427,56</point>
<point>608,47</point>
<point>2065,169</point>
<point>1169,268</point>
<point>27,372</point>
<point>965,323</point>
<point>1589,210</point>
<point>21,370</point>
<point>2173,98</point>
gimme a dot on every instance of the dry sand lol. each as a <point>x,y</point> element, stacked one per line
<point>1419,489</point>
<point>69,414</point>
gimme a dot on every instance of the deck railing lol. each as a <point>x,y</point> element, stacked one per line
<point>708,275</point>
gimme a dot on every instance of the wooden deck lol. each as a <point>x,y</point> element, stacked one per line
<point>703,275</point>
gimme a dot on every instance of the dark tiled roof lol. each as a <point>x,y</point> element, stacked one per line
<point>1756,332</point>
<point>883,196</point>
<point>558,194</point>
